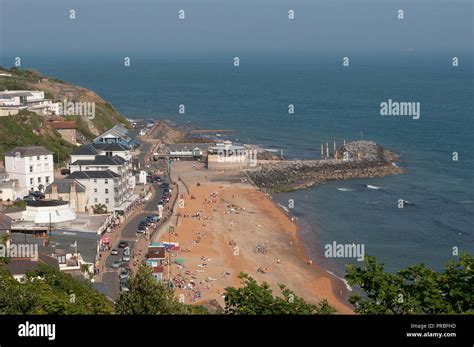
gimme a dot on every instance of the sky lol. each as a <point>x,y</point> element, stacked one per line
<point>140,26</point>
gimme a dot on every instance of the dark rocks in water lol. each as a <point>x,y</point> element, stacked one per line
<point>363,159</point>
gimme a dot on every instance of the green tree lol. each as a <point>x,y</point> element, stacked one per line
<point>99,209</point>
<point>147,296</point>
<point>253,298</point>
<point>415,290</point>
<point>50,291</point>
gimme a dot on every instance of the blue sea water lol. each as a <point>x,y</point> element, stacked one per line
<point>331,102</point>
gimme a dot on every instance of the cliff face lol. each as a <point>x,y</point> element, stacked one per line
<point>363,159</point>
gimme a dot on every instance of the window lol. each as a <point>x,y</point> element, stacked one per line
<point>39,179</point>
<point>95,200</point>
<point>38,157</point>
<point>107,200</point>
<point>106,191</point>
<point>31,180</point>
<point>106,181</point>
<point>46,165</point>
<point>95,180</point>
<point>45,157</point>
<point>95,190</point>
<point>31,168</point>
<point>47,179</point>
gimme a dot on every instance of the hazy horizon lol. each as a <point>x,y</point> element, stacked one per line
<point>29,27</point>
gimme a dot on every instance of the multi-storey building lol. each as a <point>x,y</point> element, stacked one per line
<point>32,166</point>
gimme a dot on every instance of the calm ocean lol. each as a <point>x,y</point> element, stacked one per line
<point>331,102</point>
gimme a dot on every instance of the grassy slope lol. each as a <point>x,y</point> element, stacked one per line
<point>31,129</point>
<point>27,128</point>
<point>106,115</point>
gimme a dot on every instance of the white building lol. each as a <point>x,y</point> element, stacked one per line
<point>102,187</point>
<point>115,157</point>
<point>32,166</point>
<point>32,100</point>
<point>48,211</point>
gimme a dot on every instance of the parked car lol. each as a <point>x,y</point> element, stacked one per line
<point>143,225</point>
<point>123,285</point>
<point>123,275</point>
<point>155,179</point>
<point>125,258</point>
<point>123,244</point>
<point>114,251</point>
<point>116,264</point>
<point>154,218</point>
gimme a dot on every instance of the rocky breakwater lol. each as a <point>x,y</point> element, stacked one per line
<point>360,159</point>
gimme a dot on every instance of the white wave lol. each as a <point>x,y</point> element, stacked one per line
<point>345,189</point>
<point>466,202</point>
<point>371,187</point>
<point>284,207</point>
<point>349,288</point>
<point>271,150</point>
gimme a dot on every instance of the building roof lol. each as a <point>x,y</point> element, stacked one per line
<point>63,124</point>
<point>110,147</point>
<point>13,93</point>
<point>156,252</point>
<point>101,160</point>
<point>28,151</point>
<point>61,241</point>
<point>118,131</point>
<point>64,186</point>
<point>92,174</point>
<point>158,269</point>
<point>189,146</point>
<point>5,222</point>
<point>47,203</point>
<point>85,150</point>
<point>20,266</point>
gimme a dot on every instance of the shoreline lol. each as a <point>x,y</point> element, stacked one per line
<point>223,209</point>
<point>339,283</point>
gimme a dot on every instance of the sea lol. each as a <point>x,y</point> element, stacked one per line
<point>331,103</point>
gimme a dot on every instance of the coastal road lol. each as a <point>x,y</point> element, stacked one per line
<point>111,258</point>
<point>111,280</point>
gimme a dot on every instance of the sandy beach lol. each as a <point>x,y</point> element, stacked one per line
<point>227,226</point>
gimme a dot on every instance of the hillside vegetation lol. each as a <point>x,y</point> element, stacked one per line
<point>28,128</point>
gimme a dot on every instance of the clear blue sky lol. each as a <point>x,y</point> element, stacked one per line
<point>136,26</point>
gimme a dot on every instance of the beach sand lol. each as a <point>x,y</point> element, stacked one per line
<point>223,219</point>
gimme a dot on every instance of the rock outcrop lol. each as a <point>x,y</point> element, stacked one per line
<point>362,159</point>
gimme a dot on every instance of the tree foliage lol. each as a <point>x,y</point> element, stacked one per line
<point>415,290</point>
<point>253,298</point>
<point>50,291</point>
<point>147,296</point>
